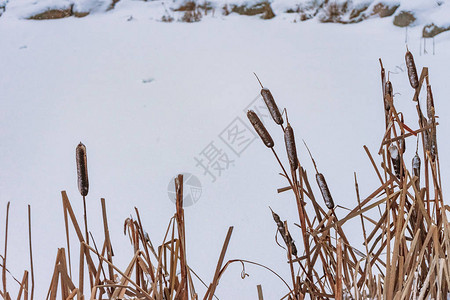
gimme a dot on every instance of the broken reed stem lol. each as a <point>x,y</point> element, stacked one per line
<point>339,291</point>
<point>181,229</point>
<point>260,292</point>
<point>212,288</point>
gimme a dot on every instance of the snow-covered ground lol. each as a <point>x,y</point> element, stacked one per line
<point>147,98</point>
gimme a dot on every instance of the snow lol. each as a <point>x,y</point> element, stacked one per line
<point>426,12</point>
<point>71,80</point>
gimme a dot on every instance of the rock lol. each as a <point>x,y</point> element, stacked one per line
<point>432,30</point>
<point>80,14</point>
<point>263,8</point>
<point>384,10</point>
<point>53,14</point>
<point>404,19</point>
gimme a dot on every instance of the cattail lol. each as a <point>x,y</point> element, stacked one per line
<point>383,76</point>
<point>402,144</point>
<point>427,139</point>
<point>395,157</point>
<point>260,129</point>
<point>271,105</point>
<point>83,182</point>
<point>388,95</point>
<point>321,182</point>
<point>412,71</point>
<point>324,190</point>
<point>416,169</point>
<point>402,140</point>
<point>290,146</point>
<point>285,235</point>
<point>432,140</point>
<point>430,103</point>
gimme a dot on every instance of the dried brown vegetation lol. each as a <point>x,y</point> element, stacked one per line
<point>406,247</point>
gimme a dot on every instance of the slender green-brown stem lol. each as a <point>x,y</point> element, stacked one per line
<point>31,252</point>
<point>6,248</point>
<point>85,221</point>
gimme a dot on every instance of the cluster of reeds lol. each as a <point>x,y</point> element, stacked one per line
<point>406,249</point>
<point>152,273</point>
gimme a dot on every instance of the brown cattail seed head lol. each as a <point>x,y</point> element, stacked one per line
<point>272,106</point>
<point>427,139</point>
<point>416,165</point>
<point>388,95</point>
<point>430,103</point>
<point>432,142</point>
<point>412,71</point>
<point>402,142</point>
<point>290,146</point>
<point>285,234</point>
<point>83,182</point>
<point>260,129</point>
<point>324,190</point>
<point>395,157</point>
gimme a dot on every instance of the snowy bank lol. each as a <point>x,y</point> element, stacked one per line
<point>432,16</point>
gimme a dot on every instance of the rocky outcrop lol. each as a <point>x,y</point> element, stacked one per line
<point>431,30</point>
<point>52,14</point>
<point>384,10</point>
<point>404,19</point>
<point>262,8</point>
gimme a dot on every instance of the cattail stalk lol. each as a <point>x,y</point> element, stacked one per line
<point>271,104</point>
<point>395,158</point>
<point>402,142</point>
<point>432,140</point>
<point>388,95</point>
<point>322,183</point>
<point>412,71</point>
<point>289,139</point>
<point>83,181</point>
<point>260,129</point>
<point>416,169</point>
<point>430,102</point>
<point>327,198</point>
<point>284,234</point>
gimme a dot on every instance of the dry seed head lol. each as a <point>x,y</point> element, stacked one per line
<point>432,140</point>
<point>402,142</point>
<point>270,103</point>
<point>290,146</point>
<point>284,234</point>
<point>260,129</point>
<point>395,157</point>
<point>416,165</point>
<point>272,106</point>
<point>83,182</point>
<point>427,140</point>
<point>327,198</point>
<point>412,71</point>
<point>388,94</point>
<point>430,103</point>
